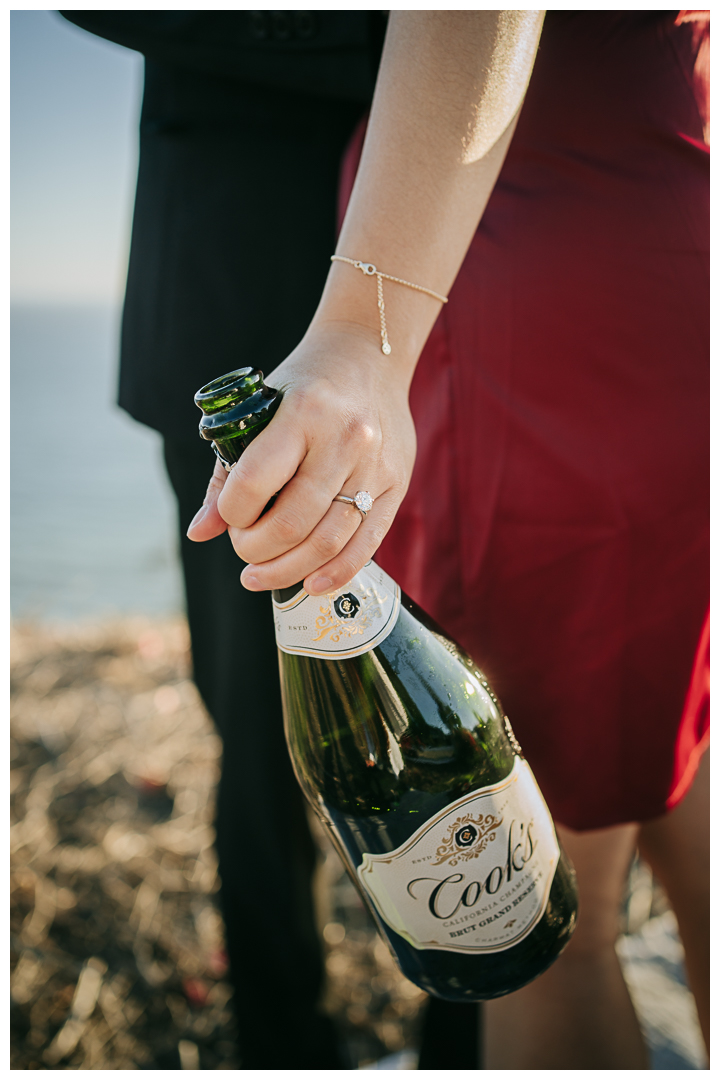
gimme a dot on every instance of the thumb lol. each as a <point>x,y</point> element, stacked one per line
<point>207,523</point>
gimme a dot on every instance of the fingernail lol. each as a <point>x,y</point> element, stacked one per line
<point>320,585</point>
<point>198,518</point>
<point>250,581</point>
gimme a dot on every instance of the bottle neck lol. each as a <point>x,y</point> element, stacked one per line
<point>347,622</point>
<point>236,408</point>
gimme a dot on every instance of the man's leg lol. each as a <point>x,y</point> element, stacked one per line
<point>266,854</point>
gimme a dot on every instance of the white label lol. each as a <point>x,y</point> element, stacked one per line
<point>476,877</point>
<point>341,624</point>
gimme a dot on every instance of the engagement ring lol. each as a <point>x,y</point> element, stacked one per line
<point>362,501</point>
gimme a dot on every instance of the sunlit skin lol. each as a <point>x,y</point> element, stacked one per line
<point>441,122</point>
<point>450,87</point>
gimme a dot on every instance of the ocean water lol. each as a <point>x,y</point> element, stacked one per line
<point>93,523</point>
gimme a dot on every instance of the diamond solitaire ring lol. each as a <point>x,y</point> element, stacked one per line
<point>362,501</point>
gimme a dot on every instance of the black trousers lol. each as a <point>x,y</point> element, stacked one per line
<point>265,850</point>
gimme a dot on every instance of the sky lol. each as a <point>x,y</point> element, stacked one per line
<point>75,102</point>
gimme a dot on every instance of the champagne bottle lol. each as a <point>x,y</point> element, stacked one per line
<point>403,750</point>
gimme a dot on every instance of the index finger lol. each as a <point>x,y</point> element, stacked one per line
<point>207,523</point>
<point>270,461</point>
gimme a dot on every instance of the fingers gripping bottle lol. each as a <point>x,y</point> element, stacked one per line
<point>405,754</point>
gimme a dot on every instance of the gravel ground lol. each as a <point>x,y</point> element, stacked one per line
<point>117,947</point>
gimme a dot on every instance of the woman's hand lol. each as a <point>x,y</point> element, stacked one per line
<point>344,426</point>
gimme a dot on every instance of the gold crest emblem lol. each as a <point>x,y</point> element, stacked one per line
<point>348,614</point>
<point>466,838</point>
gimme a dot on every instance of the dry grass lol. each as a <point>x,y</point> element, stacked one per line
<point>116,943</point>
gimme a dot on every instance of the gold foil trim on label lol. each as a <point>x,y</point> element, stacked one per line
<point>475,878</point>
<point>342,624</point>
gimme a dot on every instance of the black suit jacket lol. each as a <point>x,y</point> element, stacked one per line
<point>244,120</point>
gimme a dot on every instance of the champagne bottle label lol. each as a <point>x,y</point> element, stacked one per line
<point>476,877</point>
<point>341,624</point>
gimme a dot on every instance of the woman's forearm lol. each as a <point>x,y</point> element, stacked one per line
<point>449,89</point>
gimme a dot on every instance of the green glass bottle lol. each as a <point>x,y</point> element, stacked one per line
<point>404,752</point>
<point>236,407</point>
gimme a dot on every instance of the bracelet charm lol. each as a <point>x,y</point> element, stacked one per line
<point>370,270</point>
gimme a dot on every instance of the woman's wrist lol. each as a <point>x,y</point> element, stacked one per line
<point>350,302</point>
<point>353,347</point>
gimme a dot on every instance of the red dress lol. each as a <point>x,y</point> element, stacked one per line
<point>557,520</point>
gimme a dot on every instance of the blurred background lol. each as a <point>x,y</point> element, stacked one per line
<point>92,521</point>
<point>116,943</point>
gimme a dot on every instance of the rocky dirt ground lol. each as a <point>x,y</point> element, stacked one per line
<point>116,944</point>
